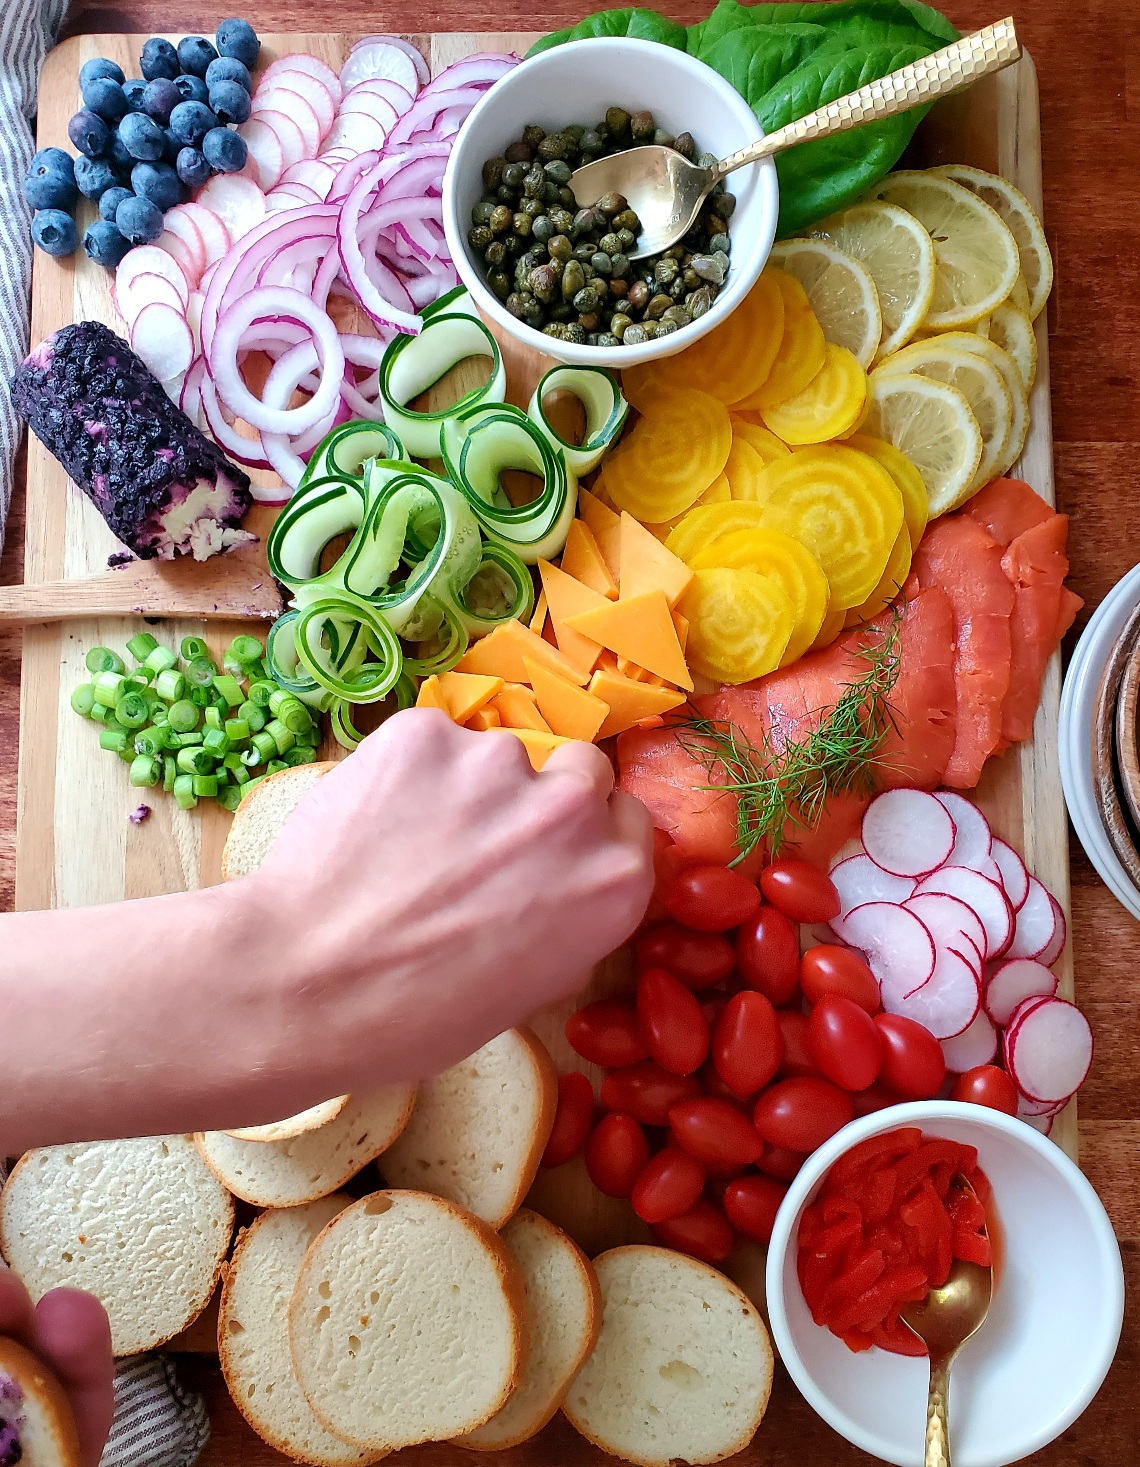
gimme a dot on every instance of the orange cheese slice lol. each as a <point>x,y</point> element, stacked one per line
<point>501,653</point>
<point>605,526</point>
<point>464,693</point>
<point>647,566</point>
<point>538,620</point>
<point>539,746</point>
<point>630,702</point>
<point>641,629</point>
<point>565,596</point>
<point>486,718</point>
<point>584,561</point>
<point>516,707</point>
<point>681,627</point>
<point>570,711</point>
<point>430,695</point>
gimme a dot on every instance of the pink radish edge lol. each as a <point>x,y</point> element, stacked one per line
<point>907,832</point>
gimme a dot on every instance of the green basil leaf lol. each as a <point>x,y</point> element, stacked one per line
<point>869,16</point>
<point>754,59</point>
<point>547,43</point>
<point>642,25</point>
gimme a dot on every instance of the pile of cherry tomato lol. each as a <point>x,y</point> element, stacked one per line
<point>718,1084</point>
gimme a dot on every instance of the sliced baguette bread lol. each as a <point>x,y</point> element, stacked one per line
<point>143,1225</point>
<point>564,1315</point>
<point>408,1322</point>
<point>258,819</point>
<point>36,1424</point>
<point>305,1120</point>
<point>253,1334</point>
<point>682,1367</point>
<point>479,1129</point>
<point>304,1168</point>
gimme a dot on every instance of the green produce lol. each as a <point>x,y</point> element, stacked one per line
<point>641,25</point>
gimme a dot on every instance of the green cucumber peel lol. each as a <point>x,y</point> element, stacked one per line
<point>606,411</point>
<point>412,364</point>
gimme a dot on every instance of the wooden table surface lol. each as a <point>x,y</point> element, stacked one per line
<point>1088,63</point>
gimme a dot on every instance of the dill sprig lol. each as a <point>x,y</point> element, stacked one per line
<point>789,786</point>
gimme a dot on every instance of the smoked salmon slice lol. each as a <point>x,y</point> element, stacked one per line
<point>1006,508</point>
<point>1036,566</point>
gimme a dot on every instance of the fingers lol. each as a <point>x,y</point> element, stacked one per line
<point>72,1335</point>
<point>15,1308</point>
<point>584,762</point>
<point>632,823</point>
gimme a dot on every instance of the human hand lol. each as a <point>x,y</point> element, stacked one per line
<point>69,1332</point>
<point>433,890</point>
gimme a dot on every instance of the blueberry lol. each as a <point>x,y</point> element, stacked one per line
<point>104,244</point>
<point>193,89</point>
<point>89,133</point>
<point>225,151</point>
<point>51,160</point>
<point>229,102</point>
<point>100,67</point>
<point>135,90</point>
<point>195,54</point>
<point>111,201</point>
<point>159,58</point>
<point>118,157</point>
<point>190,122</point>
<point>55,232</point>
<point>160,99</point>
<point>157,182</point>
<point>105,97</point>
<point>171,147</point>
<point>228,68</point>
<point>138,220</point>
<point>141,136</point>
<point>50,180</point>
<point>94,176</point>
<point>192,168</point>
<point>237,38</point>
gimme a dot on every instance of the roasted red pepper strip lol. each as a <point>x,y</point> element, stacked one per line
<point>883,1150</point>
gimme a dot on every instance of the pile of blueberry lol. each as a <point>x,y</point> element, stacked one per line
<point>143,143</point>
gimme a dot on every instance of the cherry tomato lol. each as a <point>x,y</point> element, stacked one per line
<point>572,1119</point>
<point>712,1084</point>
<point>712,1006</point>
<point>607,1033</point>
<point>878,1097</point>
<point>826,969</point>
<point>751,1204</point>
<point>702,1232</point>
<point>715,1132</point>
<point>669,1184</point>
<point>699,959</point>
<point>844,1042</point>
<point>647,1092</point>
<point>768,955</point>
<point>616,1154</point>
<point>778,1161</point>
<point>797,1058</point>
<point>800,890</point>
<point>913,1065</point>
<point>671,1021</point>
<point>987,1085</point>
<point>801,1114</point>
<point>711,898</point>
<point>747,1045</point>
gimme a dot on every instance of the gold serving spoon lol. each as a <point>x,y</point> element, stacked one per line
<point>666,191</point>
<point>944,1321</point>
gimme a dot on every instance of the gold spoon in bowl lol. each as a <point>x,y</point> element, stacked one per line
<point>666,191</point>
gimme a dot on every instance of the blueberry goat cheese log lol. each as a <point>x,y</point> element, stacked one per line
<point>163,488</point>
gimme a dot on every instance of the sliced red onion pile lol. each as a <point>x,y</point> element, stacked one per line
<point>342,196</point>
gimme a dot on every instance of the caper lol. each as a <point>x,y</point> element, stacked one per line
<point>685,145</point>
<point>479,238</point>
<point>481,213</point>
<point>617,121</point>
<point>663,139</point>
<point>602,263</point>
<point>584,252</point>
<point>515,244</point>
<point>563,220</point>
<point>713,225</point>
<point>642,126</point>
<point>513,174</point>
<point>500,220</point>
<point>559,247</point>
<point>591,337</point>
<point>557,171</point>
<point>555,145</point>
<point>566,197</point>
<point>666,328</point>
<point>699,302</point>
<point>674,252</point>
<point>589,321</point>
<point>706,160</point>
<point>711,267</point>
<point>620,324</point>
<point>657,306</point>
<point>619,289</point>
<point>572,280</point>
<point>495,253</point>
<point>677,315</point>
<point>636,334</point>
<point>678,290</point>
<point>612,203</point>
<point>574,131</point>
<point>575,333</point>
<point>520,152</point>
<point>521,225</point>
<point>542,229</point>
<point>720,244</point>
<point>533,134</point>
<point>583,223</point>
<point>609,243</point>
<point>534,182</point>
<point>724,205</point>
<point>506,195</point>
<point>607,338</point>
<point>543,283</point>
<point>515,305</point>
<point>638,296</point>
<point>691,279</point>
<point>627,239</point>
<point>591,141</point>
<point>493,173</point>
<point>552,193</point>
<point>665,271</point>
<point>555,329</point>
<point>627,219</point>
<point>532,208</point>
<point>500,283</point>
<point>619,264</point>
<point>563,311</point>
<point>588,271</point>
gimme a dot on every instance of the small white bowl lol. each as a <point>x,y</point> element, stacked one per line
<point>576,83</point>
<point>1053,1325</point>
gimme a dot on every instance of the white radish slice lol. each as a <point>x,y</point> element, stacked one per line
<point>849,848</point>
<point>988,868</point>
<point>370,105</point>
<point>947,1003</point>
<point>898,947</point>
<point>982,896</point>
<point>282,90</point>
<point>147,290</point>
<point>290,196</point>
<point>973,838</point>
<point>1053,951</point>
<point>173,388</point>
<point>266,150</point>
<point>356,132</point>
<point>286,103</point>
<point>1050,1051</point>
<point>163,340</point>
<point>215,235</point>
<point>907,832</point>
<point>1027,1107</point>
<point>149,260</point>
<point>178,222</point>
<point>294,143</point>
<point>238,202</point>
<point>858,881</point>
<point>1014,876</point>
<point>1044,1124</point>
<point>382,86</point>
<point>194,317</point>
<point>416,56</point>
<point>817,934</point>
<point>314,174</point>
<point>1035,927</point>
<point>380,58</point>
<point>190,263</point>
<point>976,1045</point>
<point>1011,983</point>
<point>952,924</point>
<point>309,66</point>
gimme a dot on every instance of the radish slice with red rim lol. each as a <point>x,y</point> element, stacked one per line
<point>973,839</point>
<point>1035,927</point>
<point>1014,876</point>
<point>284,90</point>
<point>1053,951</point>
<point>818,934</point>
<point>952,924</point>
<point>1011,983</point>
<point>314,173</point>
<point>357,131</point>
<point>898,946</point>
<point>1042,1124</point>
<point>976,1045</point>
<point>859,880</point>
<point>300,133</point>
<point>301,61</point>
<point>180,223</point>
<point>238,202</point>
<point>423,72</point>
<point>1050,1051</point>
<point>907,832</point>
<point>188,261</point>
<point>947,1003</point>
<point>382,86</point>
<point>370,104</point>
<point>161,337</point>
<point>982,896</point>
<point>1027,1107</point>
<point>266,150</point>
<point>380,58</point>
<point>148,260</point>
<point>212,230</point>
<point>147,290</point>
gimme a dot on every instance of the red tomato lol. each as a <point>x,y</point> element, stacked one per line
<point>711,898</point>
<point>801,1114</point>
<point>844,1042</point>
<point>987,1085</point>
<point>647,1092</point>
<point>778,1161</point>
<point>572,1119</point>
<point>699,959</point>
<point>826,969</point>
<point>672,1022</point>
<point>913,1066</point>
<point>669,1184</point>
<point>715,1132</point>
<point>712,1084</point>
<point>747,1046</point>
<point>616,1154</point>
<point>768,955</point>
<point>878,1097</point>
<point>800,890</point>
<point>607,1033</point>
<point>797,1056</point>
<point>701,1232</point>
<point>712,1006</point>
<point>751,1204</point>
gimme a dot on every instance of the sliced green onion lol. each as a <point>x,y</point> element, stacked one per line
<point>100,713</point>
<point>132,710</point>
<point>606,411</point>
<point>145,770</point>
<point>230,797</point>
<point>195,760</point>
<point>152,740</point>
<point>345,451</point>
<point>262,746</point>
<point>159,658</point>
<point>245,650</point>
<point>260,694</point>
<point>170,685</point>
<point>412,364</point>
<point>250,714</point>
<point>205,785</point>
<point>213,718</point>
<point>237,730</point>
<point>200,671</point>
<point>275,766</point>
<point>114,740</point>
<point>83,699</point>
<point>299,754</point>
<point>216,742</point>
<point>230,689</point>
<point>169,772</point>
<point>141,679</point>
<point>184,791</point>
<point>102,659</point>
<point>141,645</point>
<point>109,688</point>
<point>186,740</point>
<point>200,697</point>
<point>192,647</point>
<point>183,716</point>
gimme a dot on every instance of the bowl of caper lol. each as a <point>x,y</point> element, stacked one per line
<point>559,277</point>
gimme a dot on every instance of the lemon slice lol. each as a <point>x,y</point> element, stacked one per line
<point>1012,330</point>
<point>1019,426</point>
<point>899,257</point>
<point>841,292</point>
<point>932,424</point>
<point>976,255</point>
<point>1022,221</point>
<point>979,382</point>
<point>1019,295</point>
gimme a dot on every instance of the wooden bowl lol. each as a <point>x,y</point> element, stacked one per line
<point>1118,823</point>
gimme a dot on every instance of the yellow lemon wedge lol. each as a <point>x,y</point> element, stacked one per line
<point>841,291</point>
<point>1021,219</point>
<point>1012,330</point>
<point>931,423</point>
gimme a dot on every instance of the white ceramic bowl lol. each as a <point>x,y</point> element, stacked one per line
<point>1053,1325</point>
<point>1076,721</point>
<point>576,83</point>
